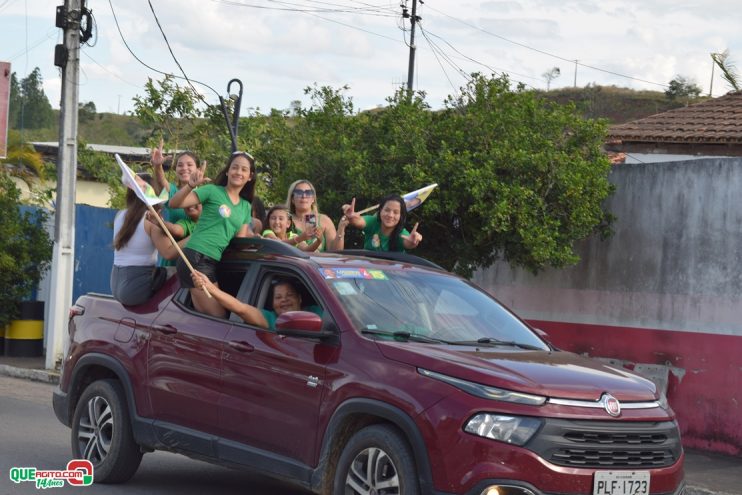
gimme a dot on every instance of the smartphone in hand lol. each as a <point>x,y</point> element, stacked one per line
<point>310,219</point>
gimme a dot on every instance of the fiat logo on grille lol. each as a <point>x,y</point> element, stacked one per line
<point>611,405</point>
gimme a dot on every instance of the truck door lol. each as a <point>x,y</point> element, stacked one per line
<point>273,386</point>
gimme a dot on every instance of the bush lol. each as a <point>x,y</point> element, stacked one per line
<point>25,249</point>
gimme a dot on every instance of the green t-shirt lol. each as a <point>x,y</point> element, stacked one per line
<point>188,225</point>
<point>271,316</point>
<point>375,240</point>
<point>269,231</point>
<point>220,220</point>
<point>173,215</point>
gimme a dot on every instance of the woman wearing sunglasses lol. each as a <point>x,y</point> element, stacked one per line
<point>226,214</point>
<point>305,215</point>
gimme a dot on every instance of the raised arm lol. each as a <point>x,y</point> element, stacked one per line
<point>340,237</point>
<point>157,159</point>
<point>354,218</point>
<point>249,314</point>
<point>185,196</point>
<point>411,241</point>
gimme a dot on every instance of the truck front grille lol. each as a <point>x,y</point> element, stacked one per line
<point>608,444</point>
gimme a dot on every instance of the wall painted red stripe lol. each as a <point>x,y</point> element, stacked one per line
<point>705,381</point>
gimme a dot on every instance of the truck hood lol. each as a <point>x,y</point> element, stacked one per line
<point>555,374</point>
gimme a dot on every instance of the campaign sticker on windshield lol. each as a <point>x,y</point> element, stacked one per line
<point>330,273</point>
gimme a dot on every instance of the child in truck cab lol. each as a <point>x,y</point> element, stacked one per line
<point>278,221</point>
<point>385,230</point>
<point>226,214</point>
<point>285,296</point>
<point>134,276</point>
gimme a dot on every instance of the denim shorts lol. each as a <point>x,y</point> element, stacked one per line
<point>199,261</point>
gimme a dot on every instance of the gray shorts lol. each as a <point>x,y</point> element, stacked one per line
<point>132,285</point>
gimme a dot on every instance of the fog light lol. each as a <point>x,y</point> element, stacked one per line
<point>506,490</point>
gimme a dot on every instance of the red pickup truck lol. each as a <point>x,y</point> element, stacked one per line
<point>403,379</point>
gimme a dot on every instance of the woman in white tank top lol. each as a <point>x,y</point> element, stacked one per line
<point>134,277</point>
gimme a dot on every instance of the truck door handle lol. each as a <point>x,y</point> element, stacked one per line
<point>240,345</point>
<point>166,329</point>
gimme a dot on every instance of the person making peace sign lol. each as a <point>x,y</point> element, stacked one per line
<point>385,230</point>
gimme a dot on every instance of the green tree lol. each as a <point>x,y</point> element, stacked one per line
<point>682,88</point>
<point>86,112</point>
<point>29,104</point>
<point>25,249</point>
<point>168,108</point>
<point>520,178</point>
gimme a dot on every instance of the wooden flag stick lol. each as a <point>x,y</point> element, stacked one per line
<point>175,243</point>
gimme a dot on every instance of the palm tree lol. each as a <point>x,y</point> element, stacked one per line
<point>22,160</point>
<point>728,70</point>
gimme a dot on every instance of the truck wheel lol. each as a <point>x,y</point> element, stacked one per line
<point>101,433</point>
<point>376,460</point>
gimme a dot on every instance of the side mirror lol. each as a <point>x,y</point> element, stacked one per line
<point>299,320</point>
<point>300,324</point>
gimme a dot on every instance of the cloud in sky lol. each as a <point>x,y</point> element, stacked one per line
<point>278,48</point>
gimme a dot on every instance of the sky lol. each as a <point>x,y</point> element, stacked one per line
<point>278,48</point>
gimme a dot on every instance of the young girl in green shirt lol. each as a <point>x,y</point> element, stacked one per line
<point>226,214</point>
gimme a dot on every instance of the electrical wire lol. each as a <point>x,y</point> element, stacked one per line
<point>110,72</point>
<point>493,69</point>
<point>572,61</point>
<point>435,54</point>
<point>195,91</point>
<point>118,27</point>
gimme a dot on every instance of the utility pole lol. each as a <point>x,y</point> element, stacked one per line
<point>66,56</point>
<point>413,21</point>
<point>713,65</point>
<point>575,84</point>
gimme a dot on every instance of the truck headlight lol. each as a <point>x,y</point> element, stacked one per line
<point>516,430</point>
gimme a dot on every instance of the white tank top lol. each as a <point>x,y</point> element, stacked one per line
<point>139,251</point>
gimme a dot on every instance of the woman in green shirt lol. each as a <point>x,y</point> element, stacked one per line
<point>226,214</point>
<point>385,230</point>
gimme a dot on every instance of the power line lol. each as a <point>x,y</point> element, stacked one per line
<point>571,61</point>
<point>173,54</point>
<point>112,73</point>
<point>118,27</point>
<point>493,69</point>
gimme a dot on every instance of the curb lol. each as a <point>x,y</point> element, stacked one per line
<point>45,376</point>
<point>696,490</point>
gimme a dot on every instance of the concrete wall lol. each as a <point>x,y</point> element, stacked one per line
<point>663,295</point>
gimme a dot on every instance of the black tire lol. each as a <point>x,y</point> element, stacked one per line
<point>101,433</point>
<point>393,465</point>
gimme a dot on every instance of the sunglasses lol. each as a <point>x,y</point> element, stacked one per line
<point>243,153</point>
<point>307,193</point>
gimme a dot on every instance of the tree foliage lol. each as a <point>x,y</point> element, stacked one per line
<point>519,177</point>
<point>25,249</point>
<point>29,107</point>
<point>682,88</point>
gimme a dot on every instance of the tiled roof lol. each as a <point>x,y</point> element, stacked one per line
<point>714,121</point>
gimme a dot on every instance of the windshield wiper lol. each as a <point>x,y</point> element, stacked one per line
<point>406,336</point>
<point>495,342</point>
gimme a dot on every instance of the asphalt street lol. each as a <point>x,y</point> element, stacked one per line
<point>31,436</point>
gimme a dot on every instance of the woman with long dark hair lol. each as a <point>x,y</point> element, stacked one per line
<point>134,277</point>
<point>385,230</point>
<point>226,214</point>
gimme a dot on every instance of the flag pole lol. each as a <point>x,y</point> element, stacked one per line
<point>175,243</point>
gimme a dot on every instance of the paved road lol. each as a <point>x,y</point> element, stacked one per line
<point>31,435</point>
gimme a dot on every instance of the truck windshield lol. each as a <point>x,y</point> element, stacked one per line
<point>443,308</point>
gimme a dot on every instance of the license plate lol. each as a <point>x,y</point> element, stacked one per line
<point>621,483</point>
